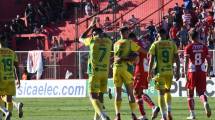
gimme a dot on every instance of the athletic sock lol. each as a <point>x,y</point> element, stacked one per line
<point>203,99</point>
<point>148,100</point>
<point>161,104</point>
<point>96,116</point>
<point>117,106</point>
<point>140,105</point>
<point>96,106</point>
<point>168,100</point>
<point>2,107</point>
<point>132,106</point>
<point>9,106</point>
<point>191,104</point>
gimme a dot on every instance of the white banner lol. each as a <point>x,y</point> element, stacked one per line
<point>52,88</point>
<point>178,88</point>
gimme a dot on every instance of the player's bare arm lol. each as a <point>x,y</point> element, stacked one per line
<point>186,61</point>
<point>16,71</point>
<point>151,62</point>
<point>86,32</point>
<point>209,67</point>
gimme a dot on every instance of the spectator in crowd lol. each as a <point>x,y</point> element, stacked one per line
<point>13,27</point>
<point>107,23</point>
<point>89,9</point>
<point>173,34</point>
<point>164,23</point>
<point>61,44</point>
<point>133,20</point>
<point>25,74</point>
<point>20,24</point>
<point>152,31</point>
<point>183,37</point>
<point>55,45</point>
<point>42,12</point>
<point>30,15</point>
<point>186,17</point>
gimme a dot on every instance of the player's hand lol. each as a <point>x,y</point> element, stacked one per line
<point>117,59</point>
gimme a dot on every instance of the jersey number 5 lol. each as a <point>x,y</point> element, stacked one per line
<point>7,64</point>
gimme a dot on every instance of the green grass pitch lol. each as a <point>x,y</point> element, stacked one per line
<point>81,109</point>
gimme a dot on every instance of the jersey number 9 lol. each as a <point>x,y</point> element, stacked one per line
<point>165,56</point>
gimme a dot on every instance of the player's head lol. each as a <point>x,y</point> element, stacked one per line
<point>162,33</point>
<point>194,35</point>
<point>124,32</point>
<point>97,31</point>
<point>132,36</point>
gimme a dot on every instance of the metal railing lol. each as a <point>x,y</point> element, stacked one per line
<point>58,63</point>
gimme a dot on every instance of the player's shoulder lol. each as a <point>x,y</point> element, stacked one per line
<point>7,51</point>
<point>120,42</point>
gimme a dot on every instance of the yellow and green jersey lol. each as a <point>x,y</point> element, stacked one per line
<point>7,60</point>
<point>164,51</point>
<point>122,48</point>
<point>99,55</point>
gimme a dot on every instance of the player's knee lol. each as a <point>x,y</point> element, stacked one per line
<point>138,99</point>
<point>200,93</point>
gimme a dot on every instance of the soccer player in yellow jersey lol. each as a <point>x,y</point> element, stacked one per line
<point>163,53</point>
<point>8,73</point>
<point>98,66</point>
<point>123,70</point>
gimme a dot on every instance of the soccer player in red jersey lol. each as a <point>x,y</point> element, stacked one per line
<point>141,83</point>
<point>195,71</point>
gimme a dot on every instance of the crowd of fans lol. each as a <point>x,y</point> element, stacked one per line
<point>198,14</point>
<point>36,17</point>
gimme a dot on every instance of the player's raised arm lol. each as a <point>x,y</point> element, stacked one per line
<point>86,32</point>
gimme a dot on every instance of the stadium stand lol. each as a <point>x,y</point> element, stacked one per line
<point>68,20</point>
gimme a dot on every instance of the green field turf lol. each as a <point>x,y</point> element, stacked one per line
<point>80,109</point>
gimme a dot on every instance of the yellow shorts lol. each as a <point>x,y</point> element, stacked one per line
<point>163,81</point>
<point>7,87</point>
<point>122,75</point>
<point>98,82</point>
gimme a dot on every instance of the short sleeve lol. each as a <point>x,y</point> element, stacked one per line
<point>134,46</point>
<point>152,49</point>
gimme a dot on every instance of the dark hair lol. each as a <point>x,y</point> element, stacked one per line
<point>161,31</point>
<point>97,30</point>
<point>132,35</point>
<point>194,34</point>
<point>123,29</point>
